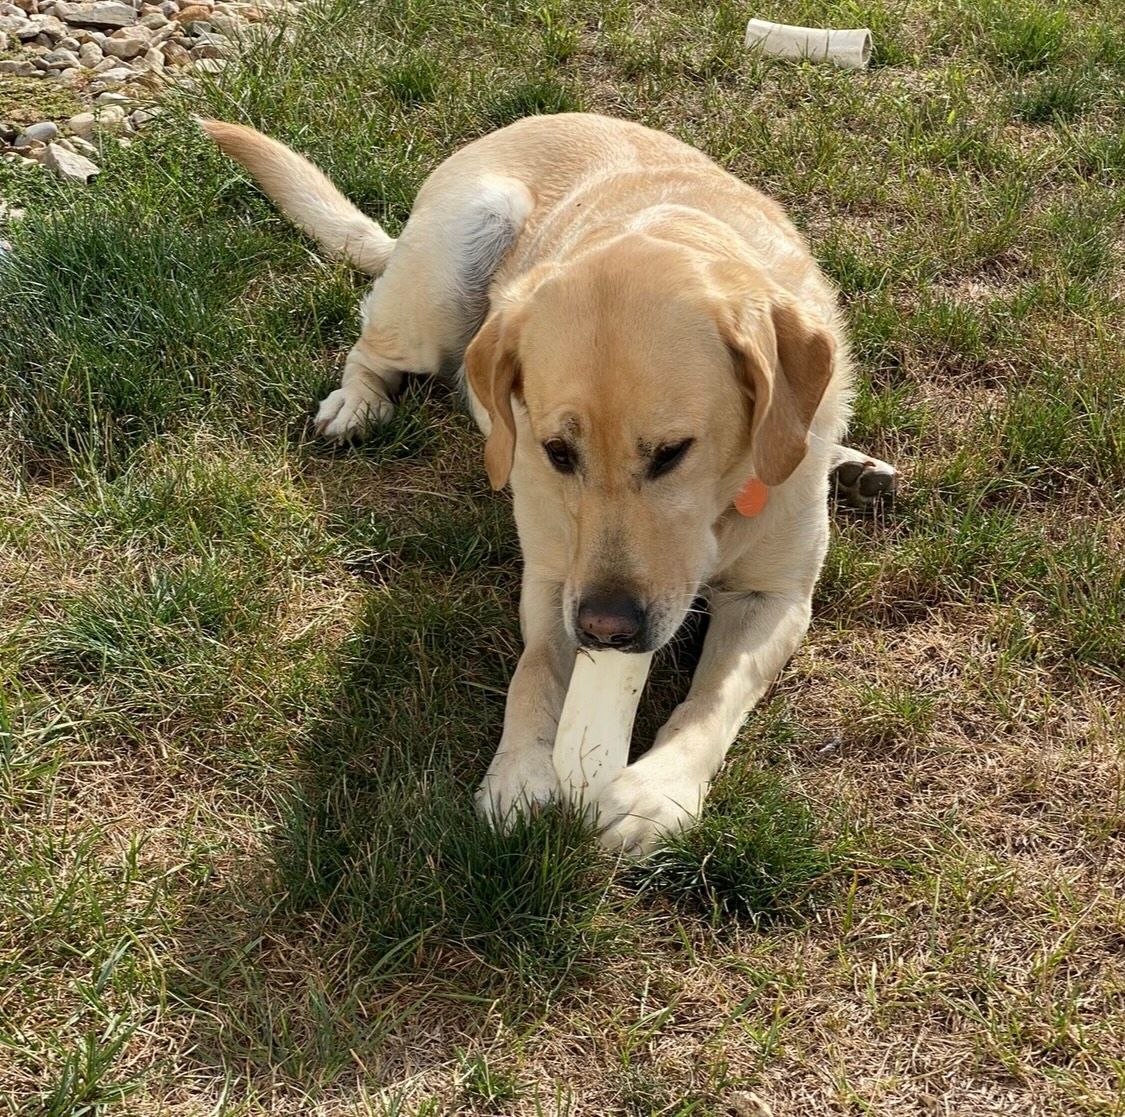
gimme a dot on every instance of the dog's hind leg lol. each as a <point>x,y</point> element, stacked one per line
<point>423,311</point>
<point>860,481</point>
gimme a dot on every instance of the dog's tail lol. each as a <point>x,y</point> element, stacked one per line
<point>306,196</point>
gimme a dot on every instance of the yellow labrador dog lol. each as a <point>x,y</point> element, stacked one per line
<point>660,370</point>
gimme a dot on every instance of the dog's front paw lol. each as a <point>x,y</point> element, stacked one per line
<point>518,779</point>
<point>349,413</point>
<point>645,802</point>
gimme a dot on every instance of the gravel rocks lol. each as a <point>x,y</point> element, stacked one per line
<point>115,54</point>
<point>27,147</point>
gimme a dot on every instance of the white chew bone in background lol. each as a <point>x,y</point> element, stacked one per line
<point>596,725</point>
<point>850,49</point>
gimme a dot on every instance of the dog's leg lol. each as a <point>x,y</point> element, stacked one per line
<point>859,480</point>
<point>422,313</point>
<point>750,637</point>
<point>522,772</point>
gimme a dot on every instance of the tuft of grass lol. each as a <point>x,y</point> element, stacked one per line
<point>484,1088</point>
<point>1054,98</point>
<point>758,854</point>
<point>422,876</point>
<point>530,98</point>
<point>412,80</point>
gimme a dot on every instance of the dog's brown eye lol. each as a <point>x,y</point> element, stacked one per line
<point>668,457</point>
<point>561,455</point>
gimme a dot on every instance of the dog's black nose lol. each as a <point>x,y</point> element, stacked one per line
<point>609,620</point>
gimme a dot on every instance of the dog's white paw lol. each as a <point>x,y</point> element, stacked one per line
<point>349,413</point>
<point>518,779</point>
<point>646,801</point>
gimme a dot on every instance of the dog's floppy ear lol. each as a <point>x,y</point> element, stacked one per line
<point>493,369</point>
<point>784,370</point>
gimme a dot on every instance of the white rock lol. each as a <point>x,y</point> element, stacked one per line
<point>106,64</point>
<point>226,24</point>
<point>111,118</point>
<point>60,59</point>
<point>113,99</point>
<point>103,13</point>
<point>175,55</point>
<point>128,47</point>
<point>17,68</point>
<point>89,55</point>
<point>3,41</point>
<point>12,23</point>
<point>44,132</point>
<point>82,125</point>
<point>65,77</point>
<point>210,50</point>
<point>154,58</point>
<point>209,65</point>
<point>122,74</point>
<point>68,42</point>
<point>142,116</point>
<point>42,25</point>
<point>154,20</point>
<point>69,164</point>
<point>83,147</point>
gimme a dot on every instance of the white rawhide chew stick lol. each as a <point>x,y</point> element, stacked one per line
<point>596,725</point>
<point>850,49</point>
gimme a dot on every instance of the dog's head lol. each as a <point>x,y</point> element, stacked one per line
<point>632,394</point>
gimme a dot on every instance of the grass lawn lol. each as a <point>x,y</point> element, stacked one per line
<point>248,683</point>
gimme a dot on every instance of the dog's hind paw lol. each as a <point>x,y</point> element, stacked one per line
<point>348,413</point>
<point>862,484</point>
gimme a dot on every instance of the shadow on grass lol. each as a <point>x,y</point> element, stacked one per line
<point>387,923</point>
<point>385,926</point>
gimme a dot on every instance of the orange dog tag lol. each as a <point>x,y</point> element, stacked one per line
<point>751,497</point>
